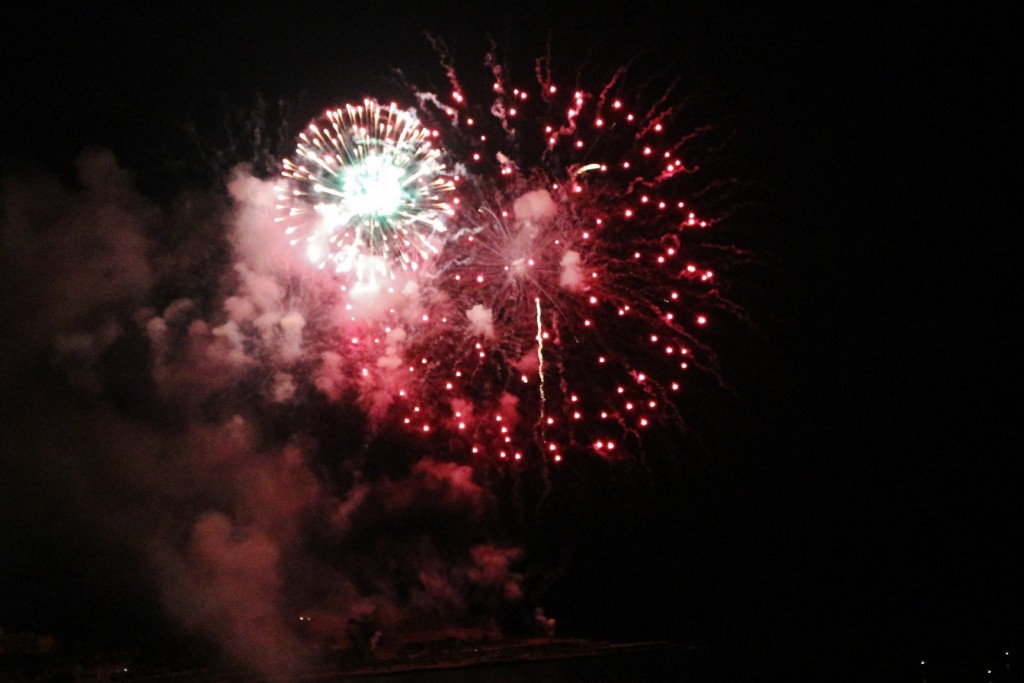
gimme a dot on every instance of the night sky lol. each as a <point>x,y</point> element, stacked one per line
<point>854,505</point>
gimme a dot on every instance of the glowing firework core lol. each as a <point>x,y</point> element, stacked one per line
<point>366,191</point>
<point>373,188</point>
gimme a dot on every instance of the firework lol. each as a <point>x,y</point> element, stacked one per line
<point>366,191</point>
<point>568,299</point>
<point>541,288</point>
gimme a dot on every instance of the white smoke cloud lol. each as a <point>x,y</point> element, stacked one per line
<point>394,344</point>
<point>259,242</point>
<point>481,321</point>
<point>284,388</point>
<point>571,276</point>
<point>292,324</point>
<point>534,206</point>
<point>330,378</point>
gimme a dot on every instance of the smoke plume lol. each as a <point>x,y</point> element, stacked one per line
<point>171,375</point>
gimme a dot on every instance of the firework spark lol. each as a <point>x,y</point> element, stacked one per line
<point>366,191</point>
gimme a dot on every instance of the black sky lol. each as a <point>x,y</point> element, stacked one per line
<point>862,496</point>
